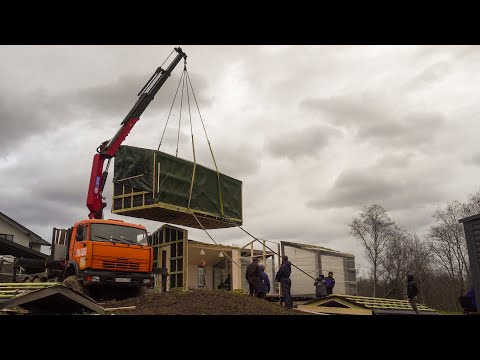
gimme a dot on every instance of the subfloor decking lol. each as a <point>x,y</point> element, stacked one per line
<point>158,212</point>
<point>361,305</point>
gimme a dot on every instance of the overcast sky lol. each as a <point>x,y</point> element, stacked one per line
<point>314,132</point>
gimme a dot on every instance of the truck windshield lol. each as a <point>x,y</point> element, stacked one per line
<point>117,233</point>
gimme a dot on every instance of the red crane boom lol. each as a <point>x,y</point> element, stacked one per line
<point>108,149</point>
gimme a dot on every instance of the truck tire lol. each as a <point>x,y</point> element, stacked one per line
<point>73,283</point>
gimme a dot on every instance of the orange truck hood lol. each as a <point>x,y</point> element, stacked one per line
<point>121,257</point>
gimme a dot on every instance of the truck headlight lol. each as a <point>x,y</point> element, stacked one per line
<point>146,281</point>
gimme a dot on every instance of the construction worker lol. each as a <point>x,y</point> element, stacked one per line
<point>253,276</point>
<point>227,282</point>
<point>263,284</point>
<point>283,277</point>
<point>330,282</point>
<point>320,286</point>
<point>412,292</point>
<point>468,302</point>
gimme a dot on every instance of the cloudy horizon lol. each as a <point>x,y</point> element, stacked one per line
<point>315,133</point>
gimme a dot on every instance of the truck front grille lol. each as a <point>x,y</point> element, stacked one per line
<point>115,264</point>
<point>121,265</point>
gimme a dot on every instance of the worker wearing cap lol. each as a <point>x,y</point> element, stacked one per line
<point>330,283</point>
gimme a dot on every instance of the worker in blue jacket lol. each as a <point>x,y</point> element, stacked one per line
<point>330,282</point>
<point>263,283</point>
<point>468,301</point>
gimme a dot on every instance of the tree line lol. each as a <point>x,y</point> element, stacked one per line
<point>438,260</point>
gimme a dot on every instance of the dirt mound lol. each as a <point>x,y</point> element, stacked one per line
<point>201,302</point>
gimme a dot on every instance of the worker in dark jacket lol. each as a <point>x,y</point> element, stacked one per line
<point>263,284</point>
<point>253,276</point>
<point>283,277</point>
<point>320,286</point>
<point>226,284</point>
<point>412,292</point>
<point>330,282</point>
<point>468,302</point>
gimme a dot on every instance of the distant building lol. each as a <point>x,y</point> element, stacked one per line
<point>11,230</point>
<point>16,241</point>
<point>189,264</point>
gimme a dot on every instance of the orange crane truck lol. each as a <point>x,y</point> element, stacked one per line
<point>103,258</point>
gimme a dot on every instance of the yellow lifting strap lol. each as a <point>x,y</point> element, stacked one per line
<point>185,78</point>
<point>193,173</point>
<point>209,145</point>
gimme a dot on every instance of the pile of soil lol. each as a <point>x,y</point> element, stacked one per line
<point>201,302</point>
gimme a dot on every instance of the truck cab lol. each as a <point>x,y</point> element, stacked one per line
<point>110,256</point>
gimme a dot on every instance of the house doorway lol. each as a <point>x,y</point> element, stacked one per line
<point>221,271</point>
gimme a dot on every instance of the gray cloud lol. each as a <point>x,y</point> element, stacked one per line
<point>236,160</point>
<point>47,188</point>
<point>26,115</point>
<point>367,115</point>
<point>118,97</point>
<point>306,142</point>
<point>349,110</point>
<point>413,129</point>
<point>41,201</point>
<point>37,112</point>
<point>394,160</point>
<point>473,159</point>
<point>356,188</point>
<point>432,52</point>
<point>433,73</point>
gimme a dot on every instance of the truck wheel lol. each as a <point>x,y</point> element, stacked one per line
<point>73,283</point>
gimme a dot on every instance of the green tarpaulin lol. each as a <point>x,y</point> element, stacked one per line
<point>168,179</point>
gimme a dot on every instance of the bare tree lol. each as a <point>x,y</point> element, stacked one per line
<point>472,206</point>
<point>439,262</point>
<point>395,263</point>
<point>404,254</point>
<point>419,264</point>
<point>374,229</point>
<point>448,244</point>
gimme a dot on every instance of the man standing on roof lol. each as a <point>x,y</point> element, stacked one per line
<point>283,277</point>
<point>320,286</point>
<point>330,283</point>
<point>253,276</point>
<point>412,292</point>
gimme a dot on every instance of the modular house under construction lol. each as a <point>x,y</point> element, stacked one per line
<point>315,260</point>
<point>185,264</point>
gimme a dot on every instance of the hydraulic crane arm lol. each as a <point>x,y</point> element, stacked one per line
<point>109,148</point>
